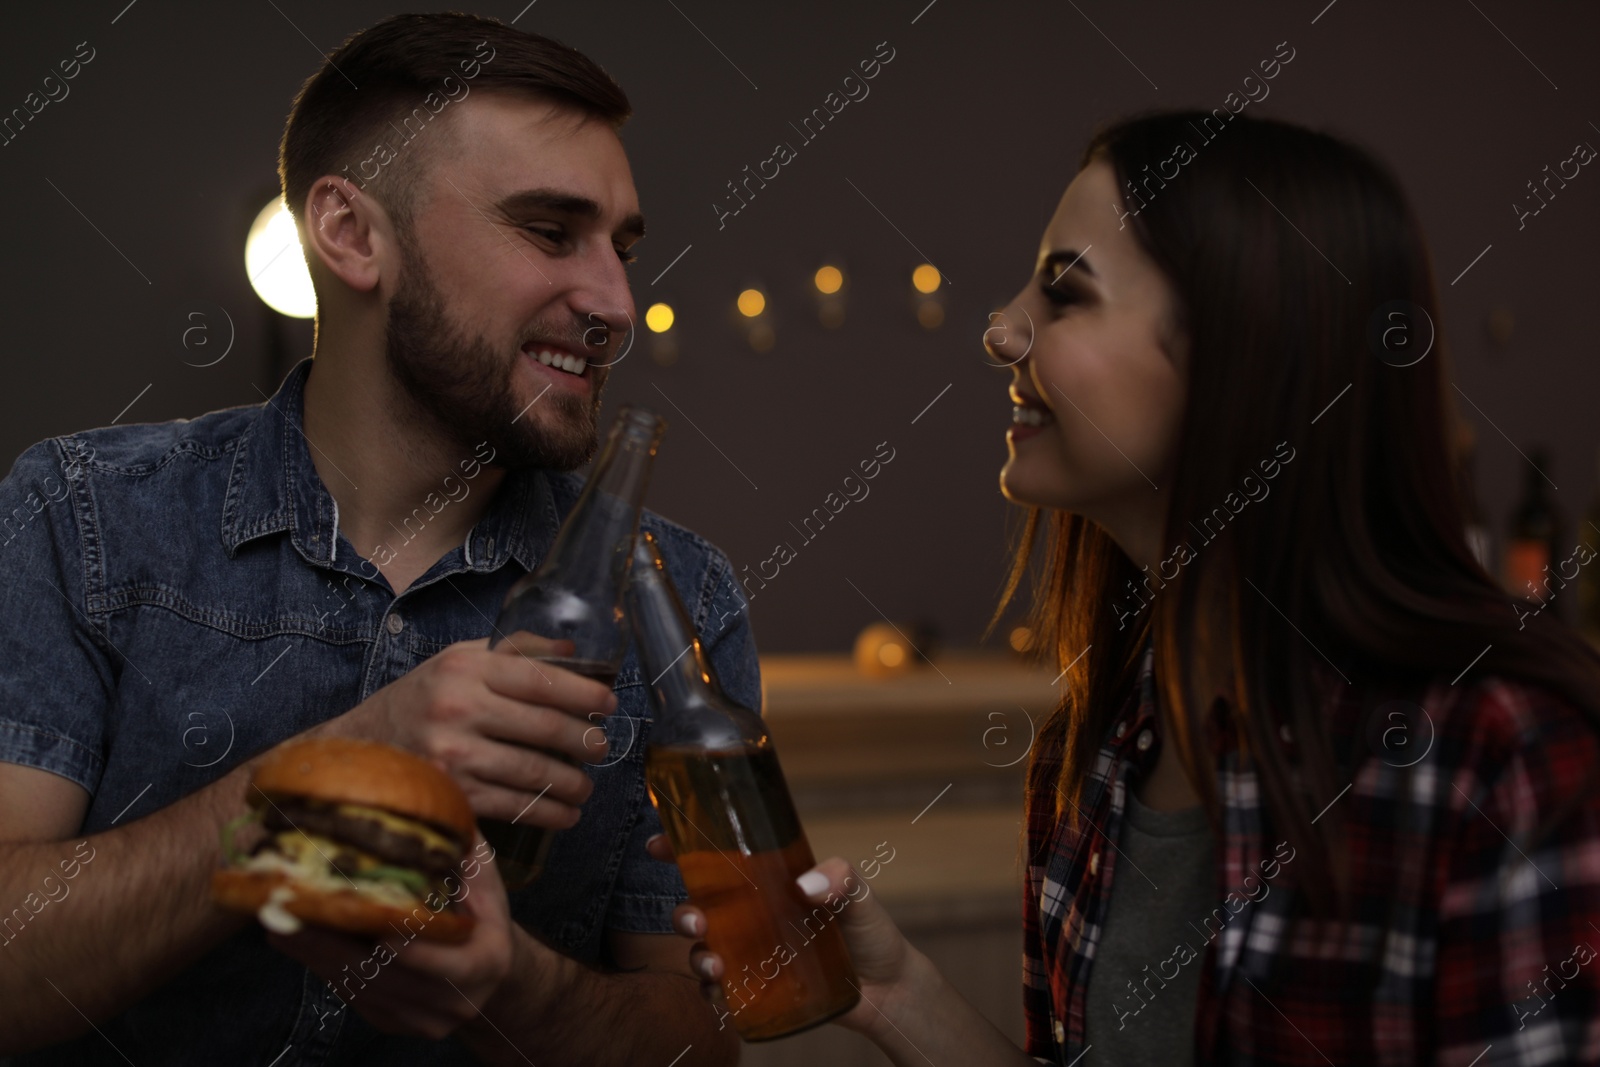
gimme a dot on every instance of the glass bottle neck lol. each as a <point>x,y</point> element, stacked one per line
<point>670,655</point>
<point>598,535</point>
<point>691,710</point>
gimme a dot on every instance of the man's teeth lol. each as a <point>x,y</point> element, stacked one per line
<point>1026,416</point>
<point>560,360</point>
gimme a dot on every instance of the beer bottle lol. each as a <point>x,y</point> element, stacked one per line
<point>1535,541</point>
<point>715,781</point>
<point>1589,574</point>
<point>576,595</point>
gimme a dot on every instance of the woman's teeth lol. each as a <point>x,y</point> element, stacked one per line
<point>1025,416</point>
<point>559,360</point>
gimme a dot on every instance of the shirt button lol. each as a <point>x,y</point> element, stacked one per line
<point>1061,1033</point>
<point>490,552</point>
<point>395,623</point>
<point>1094,863</point>
<point>1122,728</point>
<point>1145,739</point>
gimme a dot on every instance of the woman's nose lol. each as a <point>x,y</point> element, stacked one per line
<point>1009,336</point>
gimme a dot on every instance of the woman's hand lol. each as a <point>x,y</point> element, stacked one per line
<point>885,961</point>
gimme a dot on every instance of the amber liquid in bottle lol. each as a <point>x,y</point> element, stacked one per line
<point>740,847</point>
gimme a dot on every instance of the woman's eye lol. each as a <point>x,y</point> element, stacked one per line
<point>1059,297</point>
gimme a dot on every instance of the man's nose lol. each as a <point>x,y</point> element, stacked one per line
<point>603,301</point>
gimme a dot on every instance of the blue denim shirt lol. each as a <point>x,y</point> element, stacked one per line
<point>178,597</point>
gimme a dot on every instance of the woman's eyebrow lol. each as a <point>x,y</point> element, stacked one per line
<point>1071,257</point>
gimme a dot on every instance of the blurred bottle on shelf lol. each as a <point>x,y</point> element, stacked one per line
<point>1477,531</point>
<point>1533,545</point>
<point>1589,575</point>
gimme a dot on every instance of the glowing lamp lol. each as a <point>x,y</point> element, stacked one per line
<point>276,263</point>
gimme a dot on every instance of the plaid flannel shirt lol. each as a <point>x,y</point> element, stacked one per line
<point>1464,946</point>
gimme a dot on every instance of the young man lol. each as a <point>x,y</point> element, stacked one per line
<point>180,598</point>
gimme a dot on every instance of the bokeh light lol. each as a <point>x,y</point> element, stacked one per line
<point>752,302</point>
<point>1021,639</point>
<point>659,318</point>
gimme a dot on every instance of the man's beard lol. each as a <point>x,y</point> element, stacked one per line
<point>464,384</point>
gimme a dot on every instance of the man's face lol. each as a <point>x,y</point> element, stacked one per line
<point>514,266</point>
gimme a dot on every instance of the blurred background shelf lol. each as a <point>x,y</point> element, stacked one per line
<point>917,764</point>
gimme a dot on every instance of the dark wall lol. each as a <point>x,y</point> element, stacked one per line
<point>126,205</point>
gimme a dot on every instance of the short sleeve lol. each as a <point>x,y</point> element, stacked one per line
<point>58,675</point>
<point>648,890</point>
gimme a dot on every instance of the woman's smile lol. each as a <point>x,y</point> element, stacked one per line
<point>1029,416</point>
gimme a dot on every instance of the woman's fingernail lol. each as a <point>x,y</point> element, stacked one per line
<point>696,925</point>
<point>653,838</point>
<point>704,967</point>
<point>812,882</point>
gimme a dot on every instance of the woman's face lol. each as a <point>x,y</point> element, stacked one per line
<point>1098,371</point>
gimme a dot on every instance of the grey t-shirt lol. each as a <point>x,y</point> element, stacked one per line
<point>1146,974</point>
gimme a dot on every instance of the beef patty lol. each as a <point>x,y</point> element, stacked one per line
<point>369,835</point>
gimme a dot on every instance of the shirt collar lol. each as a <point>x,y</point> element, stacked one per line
<point>274,487</point>
<point>520,522</point>
<point>1137,733</point>
<point>1136,730</point>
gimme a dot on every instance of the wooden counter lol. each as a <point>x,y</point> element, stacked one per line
<point>849,741</point>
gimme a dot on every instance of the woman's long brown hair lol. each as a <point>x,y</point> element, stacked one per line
<point>1288,251</point>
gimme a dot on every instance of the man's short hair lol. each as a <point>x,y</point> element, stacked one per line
<point>386,85</point>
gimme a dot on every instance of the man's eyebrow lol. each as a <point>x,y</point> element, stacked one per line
<point>565,203</point>
<point>1065,259</point>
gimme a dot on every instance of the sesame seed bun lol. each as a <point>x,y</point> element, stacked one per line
<point>346,771</point>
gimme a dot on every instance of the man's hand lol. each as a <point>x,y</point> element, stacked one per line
<point>491,719</point>
<point>418,988</point>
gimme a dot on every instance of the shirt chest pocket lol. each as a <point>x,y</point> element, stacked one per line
<point>196,696</point>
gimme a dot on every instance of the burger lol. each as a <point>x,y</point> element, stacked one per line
<point>354,835</point>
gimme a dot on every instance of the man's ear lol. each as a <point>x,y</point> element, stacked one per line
<point>348,231</point>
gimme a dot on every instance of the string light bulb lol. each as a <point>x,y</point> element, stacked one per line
<point>752,302</point>
<point>659,318</point>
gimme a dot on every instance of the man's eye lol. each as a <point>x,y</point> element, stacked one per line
<point>546,232</point>
<point>626,256</point>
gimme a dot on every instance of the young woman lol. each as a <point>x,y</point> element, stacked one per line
<point>1317,791</point>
